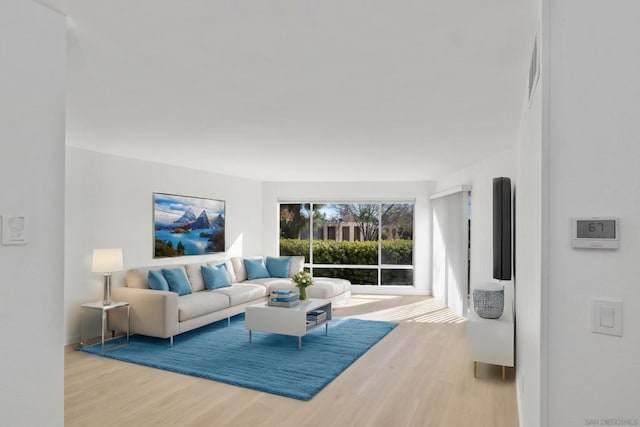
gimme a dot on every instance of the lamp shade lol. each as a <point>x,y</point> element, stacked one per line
<point>107,260</point>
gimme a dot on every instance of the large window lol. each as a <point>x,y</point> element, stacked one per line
<point>366,243</point>
<point>295,230</point>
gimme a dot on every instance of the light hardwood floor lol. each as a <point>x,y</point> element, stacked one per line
<point>418,375</point>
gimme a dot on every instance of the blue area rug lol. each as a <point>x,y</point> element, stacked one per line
<point>271,363</point>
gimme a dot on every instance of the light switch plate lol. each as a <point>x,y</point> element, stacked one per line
<point>14,229</point>
<point>606,316</point>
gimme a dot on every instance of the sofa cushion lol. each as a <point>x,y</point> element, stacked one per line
<point>278,267</point>
<point>256,269</point>
<point>156,281</point>
<point>230,271</point>
<point>264,281</point>
<point>270,283</point>
<point>323,287</point>
<point>327,287</point>
<point>177,280</point>
<point>296,266</point>
<point>215,276</point>
<point>281,284</point>
<point>240,293</point>
<point>200,303</point>
<point>195,276</point>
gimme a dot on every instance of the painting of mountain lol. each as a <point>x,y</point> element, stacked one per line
<point>185,225</point>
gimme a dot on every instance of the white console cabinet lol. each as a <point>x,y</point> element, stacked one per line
<point>492,340</point>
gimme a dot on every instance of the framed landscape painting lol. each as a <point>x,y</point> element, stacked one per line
<point>184,225</point>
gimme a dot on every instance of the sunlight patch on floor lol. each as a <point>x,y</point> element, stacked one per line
<point>357,300</point>
<point>427,311</point>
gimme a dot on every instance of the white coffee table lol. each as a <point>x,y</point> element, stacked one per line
<point>286,320</point>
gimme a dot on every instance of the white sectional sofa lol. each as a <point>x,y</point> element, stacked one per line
<point>164,314</point>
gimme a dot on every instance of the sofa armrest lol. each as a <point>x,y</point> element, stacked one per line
<point>153,313</point>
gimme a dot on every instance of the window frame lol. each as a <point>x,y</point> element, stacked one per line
<point>379,266</point>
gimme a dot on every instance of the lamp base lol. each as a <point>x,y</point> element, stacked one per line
<point>106,297</point>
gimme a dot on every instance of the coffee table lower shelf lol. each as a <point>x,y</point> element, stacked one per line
<point>286,320</point>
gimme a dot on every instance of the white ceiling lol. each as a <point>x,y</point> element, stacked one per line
<point>303,90</point>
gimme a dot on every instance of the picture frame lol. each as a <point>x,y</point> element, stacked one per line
<point>14,230</point>
<point>187,225</point>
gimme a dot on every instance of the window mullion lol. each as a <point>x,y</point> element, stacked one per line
<point>379,244</point>
<point>311,238</point>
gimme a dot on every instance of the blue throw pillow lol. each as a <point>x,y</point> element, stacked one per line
<point>215,277</point>
<point>177,281</point>
<point>256,269</point>
<point>156,281</point>
<point>278,267</point>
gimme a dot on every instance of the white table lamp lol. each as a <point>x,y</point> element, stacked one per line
<point>107,261</point>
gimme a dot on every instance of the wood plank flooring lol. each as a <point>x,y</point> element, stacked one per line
<point>418,375</point>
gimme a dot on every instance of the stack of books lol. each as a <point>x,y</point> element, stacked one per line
<point>316,317</point>
<point>284,298</point>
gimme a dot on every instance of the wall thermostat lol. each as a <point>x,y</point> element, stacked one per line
<point>595,233</point>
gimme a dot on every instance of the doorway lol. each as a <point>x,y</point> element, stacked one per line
<point>451,244</point>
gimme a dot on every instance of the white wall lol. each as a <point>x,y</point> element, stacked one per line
<point>480,176</point>
<point>32,73</point>
<point>528,252</point>
<point>109,204</point>
<point>273,192</point>
<point>594,155</point>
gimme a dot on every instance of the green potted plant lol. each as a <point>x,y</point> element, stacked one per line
<point>303,280</point>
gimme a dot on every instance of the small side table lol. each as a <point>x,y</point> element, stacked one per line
<point>492,341</point>
<point>104,308</point>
